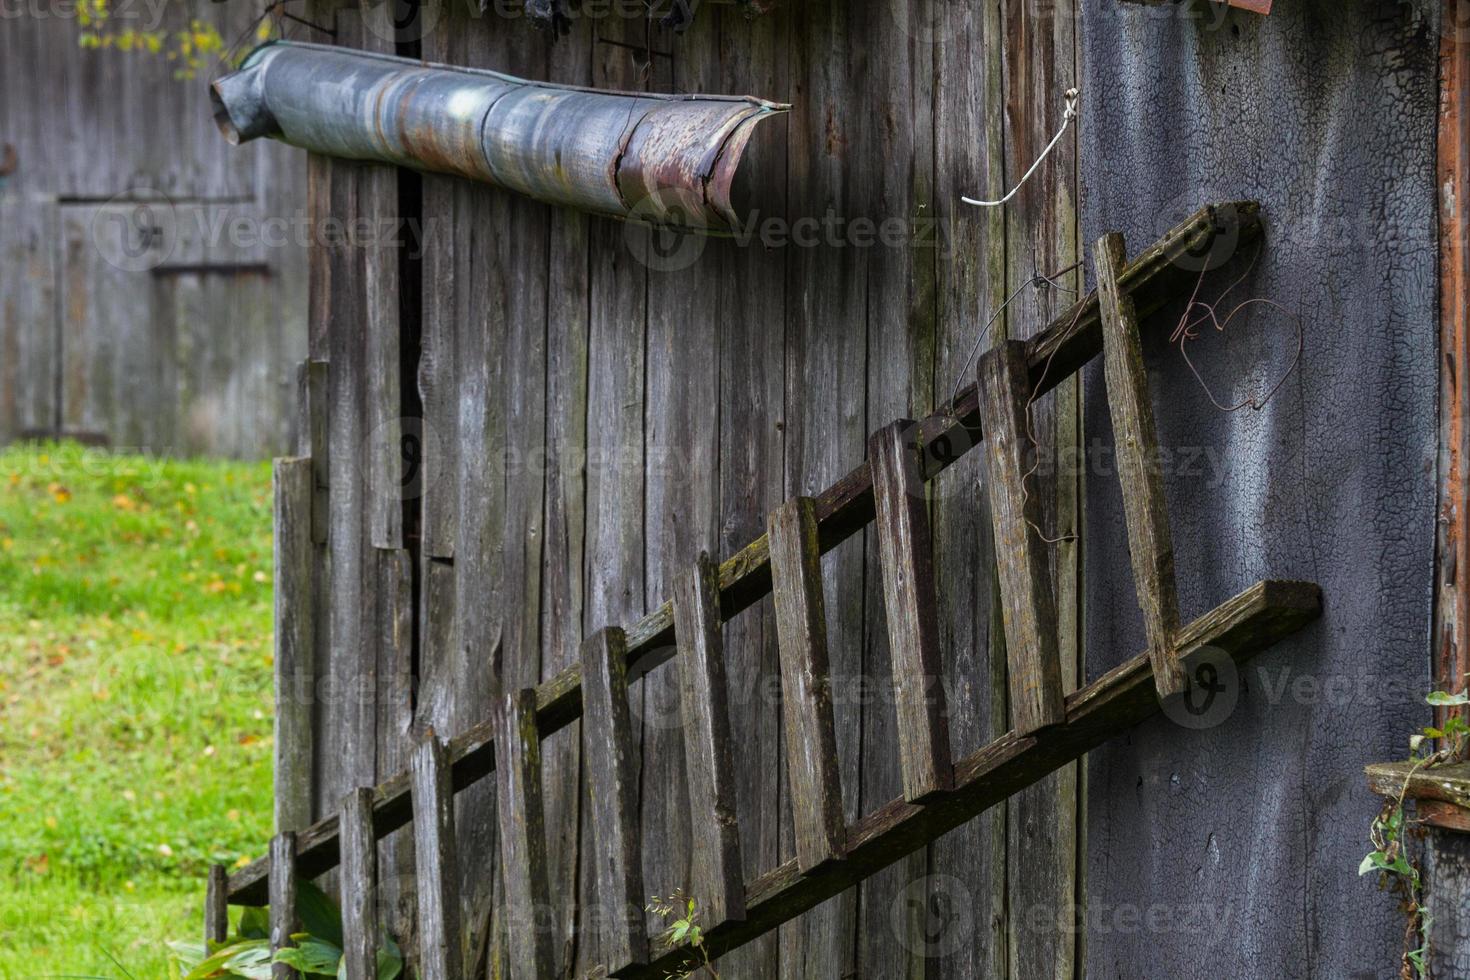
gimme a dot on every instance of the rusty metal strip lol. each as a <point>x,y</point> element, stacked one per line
<point>661,159</point>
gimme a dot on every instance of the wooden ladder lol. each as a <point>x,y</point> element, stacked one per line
<point>1050,728</point>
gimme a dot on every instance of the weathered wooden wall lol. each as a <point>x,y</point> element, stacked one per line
<point>144,300</point>
<point>596,413</point>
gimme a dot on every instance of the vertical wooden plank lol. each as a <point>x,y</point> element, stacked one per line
<point>311,437</point>
<point>1150,544</point>
<point>1452,599</point>
<point>216,905</point>
<point>806,684</point>
<point>826,375</point>
<point>295,635</point>
<point>522,836</point>
<point>1037,45</point>
<point>612,792</point>
<point>359,885</point>
<point>905,549</point>
<point>394,640</point>
<point>283,921</point>
<point>616,515</point>
<point>389,473</point>
<point>965,926</point>
<point>751,54</point>
<point>1028,607</point>
<point>441,955</point>
<point>715,876</point>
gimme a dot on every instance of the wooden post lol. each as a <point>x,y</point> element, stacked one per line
<point>612,785</point>
<point>907,556</point>
<point>806,684</point>
<point>522,836</point>
<point>716,879</point>
<point>1027,604</point>
<point>294,639</point>
<point>359,886</point>
<point>216,906</point>
<point>436,863</point>
<point>1149,542</point>
<point>283,920</point>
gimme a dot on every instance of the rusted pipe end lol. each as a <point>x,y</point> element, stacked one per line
<point>240,111</point>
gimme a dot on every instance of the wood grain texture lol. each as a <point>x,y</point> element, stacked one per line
<point>311,437</point>
<point>523,838</point>
<point>283,920</point>
<point>842,509</point>
<point>295,638</point>
<point>1109,706</point>
<point>216,905</point>
<point>715,877</point>
<point>440,955</point>
<point>905,548</point>
<point>612,790</point>
<point>1027,602</point>
<point>1150,543</point>
<point>806,685</point>
<point>359,882</point>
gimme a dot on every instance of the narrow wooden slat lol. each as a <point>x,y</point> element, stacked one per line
<point>216,905</point>
<point>612,789</point>
<point>436,863</point>
<point>294,639</point>
<point>1150,543</point>
<point>1072,338</point>
<point>523,837</point>
<point>806,686</point>
<point>906,552</point>
<point>311,438</point>
<point>1028,606</point>
<point>1241,626</point>
<point>715,876</point>
<point>359,886</point>
<point>283,920</point>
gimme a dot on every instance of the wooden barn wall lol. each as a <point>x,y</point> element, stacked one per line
<point>186,345</point>
<point>1244,836</point>
<point>593,418</point>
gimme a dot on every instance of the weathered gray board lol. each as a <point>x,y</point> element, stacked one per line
<point>144,298</point>
<point>1242,840</point>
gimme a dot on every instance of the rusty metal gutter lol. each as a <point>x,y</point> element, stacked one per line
<point>663,159</point>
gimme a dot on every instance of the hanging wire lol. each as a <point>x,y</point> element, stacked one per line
<point>1068,114</point>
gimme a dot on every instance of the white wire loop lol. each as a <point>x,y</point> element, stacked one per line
<point>1068,114</point>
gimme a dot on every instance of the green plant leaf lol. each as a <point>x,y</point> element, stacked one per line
<point>312,955</point>
<point>218,963</point>
<point>255,922</point>
<point>1369,864</point>
<point>320,916</point>
<point>1443,699</point>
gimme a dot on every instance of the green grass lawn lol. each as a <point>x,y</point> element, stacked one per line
<point>135,701</point>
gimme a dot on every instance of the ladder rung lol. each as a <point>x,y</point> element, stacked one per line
<point>283,920</point>
<point>806,684</point>
<point>216,905</point>
<point>522,836</point>
<point>716,878</point>
<point>436,861</point>
<point>1149,542</point>
<point>359,886</point>
<point>1027,604</point>
<point>905,550</point>
<point>612,777</point>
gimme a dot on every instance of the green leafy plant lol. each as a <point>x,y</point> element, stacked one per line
<point>194,48</point>
<point>1398,872</point>
<point>682,915</point>
<point>247,953</point>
